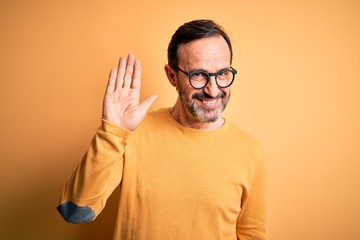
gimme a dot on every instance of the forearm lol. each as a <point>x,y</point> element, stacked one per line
<point>96,176</point>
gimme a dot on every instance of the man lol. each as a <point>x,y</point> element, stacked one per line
<point>184,172</point>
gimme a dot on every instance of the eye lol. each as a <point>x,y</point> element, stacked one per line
<point>200,75</point>
<point>223,72</point>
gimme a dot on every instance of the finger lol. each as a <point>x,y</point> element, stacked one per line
<point>136,82</point>
<point>120,73</point>
<point>111,82</point>
<point>146,104</point>
<point>129,71</point>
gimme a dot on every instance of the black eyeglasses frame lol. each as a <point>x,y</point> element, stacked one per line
<point>190,74</point>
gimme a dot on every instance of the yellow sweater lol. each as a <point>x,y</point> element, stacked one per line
<point>176,182</point>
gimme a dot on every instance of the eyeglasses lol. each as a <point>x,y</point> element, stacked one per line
<point>200,78</point>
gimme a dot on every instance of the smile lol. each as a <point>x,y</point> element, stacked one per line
<point>209,103</point>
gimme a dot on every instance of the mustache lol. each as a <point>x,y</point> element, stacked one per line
<point>207,96</point>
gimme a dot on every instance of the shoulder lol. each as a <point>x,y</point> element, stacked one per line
<point>155,120</point>
<point>235,132</point>
<point>157,114</point>
<point>157,117</point>
<point>244,142</point>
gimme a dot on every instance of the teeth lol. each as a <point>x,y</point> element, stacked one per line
<point>210,103</point>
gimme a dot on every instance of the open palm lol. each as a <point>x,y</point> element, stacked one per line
<point>121,102</point>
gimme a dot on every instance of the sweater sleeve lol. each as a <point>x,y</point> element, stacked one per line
<point>95,178</point>
<point>251,222</point>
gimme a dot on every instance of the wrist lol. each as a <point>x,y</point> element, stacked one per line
<point>116,129</point>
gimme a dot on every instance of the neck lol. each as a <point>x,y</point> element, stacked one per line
<point>181,116</point>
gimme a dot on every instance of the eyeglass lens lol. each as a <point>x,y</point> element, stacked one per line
<point>200,79</point>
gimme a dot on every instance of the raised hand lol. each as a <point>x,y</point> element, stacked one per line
<point>121,102</point>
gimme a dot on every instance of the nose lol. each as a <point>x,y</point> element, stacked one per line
<point>212,88</point>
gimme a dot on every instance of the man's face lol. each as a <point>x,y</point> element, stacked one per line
<point>210,54</point>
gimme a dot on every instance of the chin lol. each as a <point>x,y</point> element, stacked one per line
<point>207,116</point>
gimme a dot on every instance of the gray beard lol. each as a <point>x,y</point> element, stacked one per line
<point>199,113</point>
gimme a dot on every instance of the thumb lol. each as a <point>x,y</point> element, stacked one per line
<point>148,101</point>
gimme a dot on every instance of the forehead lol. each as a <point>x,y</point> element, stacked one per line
<point>210,52</point>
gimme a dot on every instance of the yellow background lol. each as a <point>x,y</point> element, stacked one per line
<point>297,92</point>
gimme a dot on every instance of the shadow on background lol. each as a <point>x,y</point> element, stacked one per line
<point>29,212</point>
<point>103,226</point>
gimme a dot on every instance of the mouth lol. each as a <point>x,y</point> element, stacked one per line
<point>209,103</point>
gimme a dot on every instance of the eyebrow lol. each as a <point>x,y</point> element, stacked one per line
<point>199,69</point>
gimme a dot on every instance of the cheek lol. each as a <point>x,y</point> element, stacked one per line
<point>227,93</point>
<point>185,88</point>
<point>226,96</point>
<point>185,84</point>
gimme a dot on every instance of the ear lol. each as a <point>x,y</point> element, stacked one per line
<point>171,75</point>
